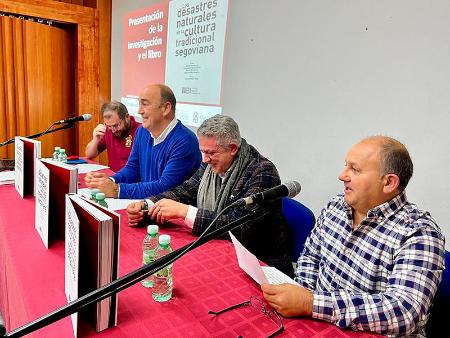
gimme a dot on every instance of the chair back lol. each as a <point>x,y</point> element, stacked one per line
<point>437,322</point>
<point>301,220</point>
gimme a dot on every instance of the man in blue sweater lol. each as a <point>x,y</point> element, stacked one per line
<point>164,154</point>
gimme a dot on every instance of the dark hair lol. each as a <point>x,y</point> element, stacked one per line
<point>116,106</point>
<point>167,95</point>
<point>395,159</point>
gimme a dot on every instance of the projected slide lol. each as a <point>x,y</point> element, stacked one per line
<point>179,43</point>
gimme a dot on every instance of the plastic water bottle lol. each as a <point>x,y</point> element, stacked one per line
<point>162,280</point>
<point>56,154</point>
<point>100,197</point>
<point>94,194</point>
<point>149,246</point>
<point>62,155</point>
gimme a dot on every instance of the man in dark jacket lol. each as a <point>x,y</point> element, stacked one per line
<point>231,169</point>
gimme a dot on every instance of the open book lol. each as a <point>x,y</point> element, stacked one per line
<point>91,259</point>
<point>27,152</point>
<point>53,181</point>
<point>261,274</point>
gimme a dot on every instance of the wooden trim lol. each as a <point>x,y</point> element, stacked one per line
<point>93,52</point>
<point>52,10</point>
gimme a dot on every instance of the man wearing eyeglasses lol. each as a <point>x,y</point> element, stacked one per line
<point>374,260</point>
<point>232,169</point>
<point>164,153</point>
<point>116,135</point>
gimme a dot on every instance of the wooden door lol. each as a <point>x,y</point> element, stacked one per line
<point>37,82</point>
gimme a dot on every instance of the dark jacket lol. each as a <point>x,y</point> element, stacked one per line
<point>266,235</point>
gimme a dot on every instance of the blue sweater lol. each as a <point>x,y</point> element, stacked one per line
<point>151,170</point>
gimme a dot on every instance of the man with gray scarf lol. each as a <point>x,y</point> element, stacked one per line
<point>231,169</point>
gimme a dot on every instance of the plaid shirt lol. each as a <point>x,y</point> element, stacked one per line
<point>381,276</point>
<point>266,235</point>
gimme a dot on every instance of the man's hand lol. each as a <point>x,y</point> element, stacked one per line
<point>99,132</point>
<point>289,300</point>
<point>103,182</point>
<point>166,209</point>
<point>135,213</point>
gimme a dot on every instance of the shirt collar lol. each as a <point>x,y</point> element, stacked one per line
<point>390,207</point>
<point>162,137</point>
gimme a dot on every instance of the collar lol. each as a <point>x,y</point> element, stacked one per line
<point>383,210</point>
<point>389,207</point>
<point>162,137</point>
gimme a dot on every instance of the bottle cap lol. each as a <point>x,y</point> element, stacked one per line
<point>95,191</point>
<point>57,148</point>
<point>62,150</point>
<point>152,229</point>
<point>164,240</point>
<point>100,196</point>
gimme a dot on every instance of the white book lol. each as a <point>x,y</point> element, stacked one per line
<point>27,152</point>
<point>42,201</point>
<point>92,245</point>
<point>261,274</point>
<point>53,181</point>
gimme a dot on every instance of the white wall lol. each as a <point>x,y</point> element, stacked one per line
<point>307,79</point>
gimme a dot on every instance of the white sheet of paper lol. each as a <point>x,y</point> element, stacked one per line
<point>85,168</point>
<point>113,203</point>
<point>250,264</point>
<point>248,261</point>
<point>7,177</point>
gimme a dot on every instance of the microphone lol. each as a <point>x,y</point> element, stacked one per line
<point>289,189</point>
<point>84,117</point>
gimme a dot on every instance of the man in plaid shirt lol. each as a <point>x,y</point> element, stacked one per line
<point>373,261</point>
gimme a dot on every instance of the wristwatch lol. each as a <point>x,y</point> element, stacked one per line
<point>145,205</point>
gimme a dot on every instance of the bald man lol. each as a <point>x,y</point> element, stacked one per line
<point>164,153</point>
<point>374,260</point>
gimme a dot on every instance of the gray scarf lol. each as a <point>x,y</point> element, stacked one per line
<point>213,191</point>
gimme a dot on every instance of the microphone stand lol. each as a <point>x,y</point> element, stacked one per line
<point>129,279</point>
<point>48,131</point>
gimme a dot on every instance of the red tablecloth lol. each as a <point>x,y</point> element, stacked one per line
<point>32,284</point>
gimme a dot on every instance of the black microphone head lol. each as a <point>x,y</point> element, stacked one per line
<point>294,188</point>
<point>87,117</point>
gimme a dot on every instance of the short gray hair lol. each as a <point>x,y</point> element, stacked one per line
<point>115,106</point>
<point>223,128</point>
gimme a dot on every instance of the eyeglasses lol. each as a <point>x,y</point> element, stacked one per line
<point>115,126</point>
<point>259,305</point>
<point>212,153</point>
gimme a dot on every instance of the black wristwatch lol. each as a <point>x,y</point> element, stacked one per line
<point>145,206</point>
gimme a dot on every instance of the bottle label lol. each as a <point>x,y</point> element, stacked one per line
<point>164,272</point>
<point>149,256</point>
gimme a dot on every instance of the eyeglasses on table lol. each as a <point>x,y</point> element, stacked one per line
<point>259,305</point>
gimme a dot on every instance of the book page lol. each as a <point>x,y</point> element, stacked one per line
<point>72,258</point>
<point>42,201</point>
<point>113,203</point>
<point>18,165</point>
<point>63,180</point>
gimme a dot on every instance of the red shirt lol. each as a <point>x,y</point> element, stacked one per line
<point>118,148</point>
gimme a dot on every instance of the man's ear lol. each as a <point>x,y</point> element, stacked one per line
<point>234,149</point>
<point>167,108</point>
<point>391,183</point>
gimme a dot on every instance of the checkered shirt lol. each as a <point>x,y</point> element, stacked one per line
<point>381,276</point>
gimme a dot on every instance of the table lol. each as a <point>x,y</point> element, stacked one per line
<point>32,284</point>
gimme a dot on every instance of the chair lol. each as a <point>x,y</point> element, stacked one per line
<point>301,220</point>
<point>437,323</point>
